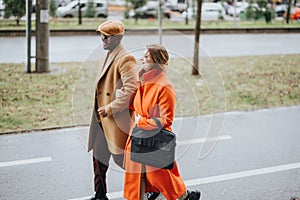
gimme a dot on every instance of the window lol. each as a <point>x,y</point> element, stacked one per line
<point>99,5</point>
<point>82,5</point>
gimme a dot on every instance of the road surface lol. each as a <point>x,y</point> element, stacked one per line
<point>257,157</point>
<point>79,48</point>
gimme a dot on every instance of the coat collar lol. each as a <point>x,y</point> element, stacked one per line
<point>149,75</point>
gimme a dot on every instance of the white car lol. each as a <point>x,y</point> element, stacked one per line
<point>237,9</point>
<point>71,10</point>
<point>212,11</point>
<point>209,12</point>
<point>280,10</point>
<point>1,8</point>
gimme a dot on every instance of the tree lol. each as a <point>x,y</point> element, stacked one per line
<point>268,15</point>
<point>251,12</point>
<point>79,13</point>
<point>53,8</point>
<point>90,10</point>
<point>288,13</point>
<point>14,8</point>
<point>195,70</point>
<point>135,5</point>
<point>187,12</point>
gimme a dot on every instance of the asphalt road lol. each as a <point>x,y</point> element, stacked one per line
<point>80,48</point>
<point>257,157</point>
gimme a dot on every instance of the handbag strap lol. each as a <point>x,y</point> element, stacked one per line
<point>157,122</point>
<point>155,119</point>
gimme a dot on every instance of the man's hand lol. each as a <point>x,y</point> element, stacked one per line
<point>102,112</point>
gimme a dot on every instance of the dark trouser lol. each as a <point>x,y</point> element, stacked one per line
<point>101,156</point>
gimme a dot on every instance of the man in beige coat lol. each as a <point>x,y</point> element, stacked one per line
<point>111,118</point>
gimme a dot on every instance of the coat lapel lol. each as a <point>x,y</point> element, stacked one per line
<point>101,66</point>
<point>110,59</point>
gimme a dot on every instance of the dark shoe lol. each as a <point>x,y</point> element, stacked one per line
<point>193,195</point>
<point>98,197</point>
<point>152,195</point>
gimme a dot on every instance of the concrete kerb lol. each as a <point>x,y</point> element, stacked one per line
<point>42,129</point>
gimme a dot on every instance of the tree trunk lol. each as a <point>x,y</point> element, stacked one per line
<point>195,70</point>
<point>186,10</point>
<point>79,13</point>
<point>288,13</point>
<point>136,16</point>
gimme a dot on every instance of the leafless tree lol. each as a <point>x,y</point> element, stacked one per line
<point>195,70</point>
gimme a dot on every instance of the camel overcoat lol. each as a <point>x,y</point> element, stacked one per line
<point>155,97</point>
<point>117,70</point>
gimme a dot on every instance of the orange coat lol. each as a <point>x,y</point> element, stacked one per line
<point>155,97</point>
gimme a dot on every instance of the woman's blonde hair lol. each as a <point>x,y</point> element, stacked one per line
<point>159,54</point>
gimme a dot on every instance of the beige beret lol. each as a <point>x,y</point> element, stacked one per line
<point>111,27</point>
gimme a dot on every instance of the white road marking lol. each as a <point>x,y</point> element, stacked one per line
<point>112,195</point>
<point>81,198</point>
<point>25,162</point>
<point>202,140</point>
<point>242,174</point>
<point>224,177</point>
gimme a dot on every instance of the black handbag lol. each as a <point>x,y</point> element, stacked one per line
<point>153,147</point>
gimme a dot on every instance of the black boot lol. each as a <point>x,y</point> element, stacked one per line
<point>193,195</point>
<point>152,195</point>
<point>99,196</point>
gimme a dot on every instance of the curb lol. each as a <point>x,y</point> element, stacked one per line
<point>42,129</point>
<point>67,32</point>
<point>203,116</point>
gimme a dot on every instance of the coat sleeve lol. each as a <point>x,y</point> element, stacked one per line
<point>127,70</point>
<point>163,110</point>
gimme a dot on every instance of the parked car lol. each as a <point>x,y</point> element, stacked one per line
<point>71,10</point>
<point>150,10</point>
<point>280,10</point>
<point>209,12</point>
<point>117,2</point>
<point>60,3</point>
<point>237,9</point>
<point>146,12</point>
<point>295,13</point>
<point>212,11</point>
<point>1,8</point>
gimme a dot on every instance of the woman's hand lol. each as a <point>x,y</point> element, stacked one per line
<point>137,117</point>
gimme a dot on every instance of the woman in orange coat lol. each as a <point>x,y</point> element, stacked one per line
<point>155,97</point>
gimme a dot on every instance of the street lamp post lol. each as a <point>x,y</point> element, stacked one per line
<point>28,33</point>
